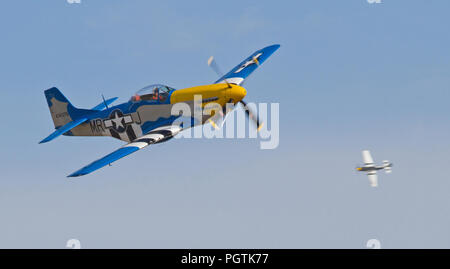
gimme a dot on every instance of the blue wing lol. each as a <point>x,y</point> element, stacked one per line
<point>155,136</point>
<point>114,156</point>
<point>238,74</point>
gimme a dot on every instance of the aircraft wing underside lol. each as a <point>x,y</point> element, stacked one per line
<point>155,136</point>
<point>373,178</point>
<point>367,157</point>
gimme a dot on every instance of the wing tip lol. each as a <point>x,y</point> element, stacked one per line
<point>78,173</point>
<point>113,99</point>
<point>273,47</point>
<point>48,138</point>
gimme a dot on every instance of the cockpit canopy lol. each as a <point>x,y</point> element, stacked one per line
<point>156,92</point>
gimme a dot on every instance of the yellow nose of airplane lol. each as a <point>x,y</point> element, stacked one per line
<point>359,168</point>
<point>237,93</point>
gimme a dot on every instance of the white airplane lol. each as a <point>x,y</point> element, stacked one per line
<point>371,168</point>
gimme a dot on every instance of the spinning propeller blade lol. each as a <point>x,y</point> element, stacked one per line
<point>252,116</point>
<point>212,63</point>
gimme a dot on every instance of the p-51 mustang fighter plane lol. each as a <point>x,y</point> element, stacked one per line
<point>146,118</point>
<point>371,169</point>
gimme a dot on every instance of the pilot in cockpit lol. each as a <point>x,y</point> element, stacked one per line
<point>155,95</point>
<point>136,98</point>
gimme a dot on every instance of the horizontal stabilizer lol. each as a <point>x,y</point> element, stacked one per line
<point>104,104</point>
<point>387,167</point>
<point>63,129</point>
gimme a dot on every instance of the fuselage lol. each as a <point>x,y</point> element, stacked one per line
<point>369,168</point>
<point>138,116</point>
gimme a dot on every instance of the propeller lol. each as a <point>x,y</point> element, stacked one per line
<point>252,116</point>
<point>213,64</point>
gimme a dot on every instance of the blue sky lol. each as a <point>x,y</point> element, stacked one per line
<point>349,76</point>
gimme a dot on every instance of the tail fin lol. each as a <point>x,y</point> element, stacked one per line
<point>238,74</point>
<point>61,109</point>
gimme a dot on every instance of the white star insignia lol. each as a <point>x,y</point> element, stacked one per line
<point>254,60</point>
<point>117,121</point>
